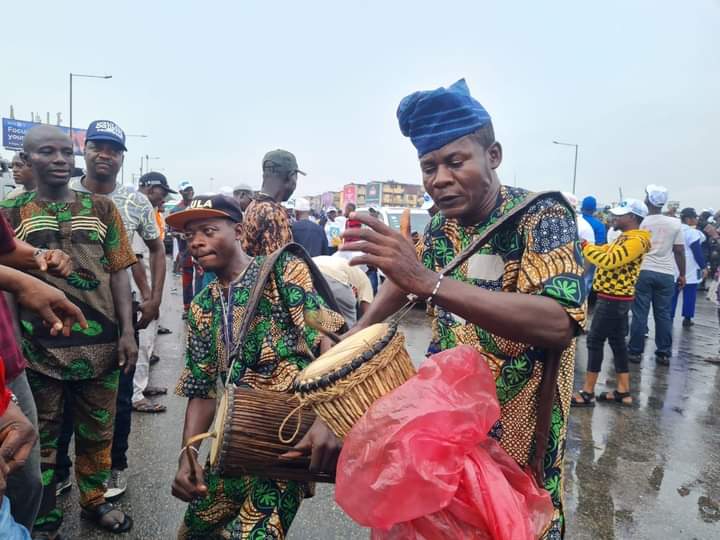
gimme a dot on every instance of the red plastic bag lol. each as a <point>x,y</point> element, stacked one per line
<point>419,464</point>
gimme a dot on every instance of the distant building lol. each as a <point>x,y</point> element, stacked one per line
<point>374,193</point>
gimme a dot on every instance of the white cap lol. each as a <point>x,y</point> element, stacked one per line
<point>331,209</point>
<point>243,187</point>
<point>302,204</point>
<point>657,195</point>
<point>630,206</point>
<point>184,184</point>
<point>428,203</point>
<point>226,190</point>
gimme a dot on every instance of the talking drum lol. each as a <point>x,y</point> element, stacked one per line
<point>253,428</point>
<point>342,383</point>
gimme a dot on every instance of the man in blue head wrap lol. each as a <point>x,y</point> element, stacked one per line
<point>534,252</point>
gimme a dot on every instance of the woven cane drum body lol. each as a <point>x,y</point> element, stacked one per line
<point>248,436</point>
<point>343,383</point>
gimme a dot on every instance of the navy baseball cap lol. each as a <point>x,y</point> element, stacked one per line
<point>105,130</point>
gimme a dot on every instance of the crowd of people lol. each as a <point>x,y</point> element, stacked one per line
<point>83,263</point>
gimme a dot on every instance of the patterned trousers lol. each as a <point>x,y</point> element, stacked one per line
<point>242,508</point>
<point>93,406</point>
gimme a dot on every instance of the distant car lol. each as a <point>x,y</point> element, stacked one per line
<point>390,215</point>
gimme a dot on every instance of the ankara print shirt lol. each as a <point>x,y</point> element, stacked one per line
<point>91,231</point>
<point>266,226</point>
<point>278,345</point>
<point>538,252</point>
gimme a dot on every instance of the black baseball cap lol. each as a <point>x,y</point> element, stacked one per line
<point>206,206</point>
<point>281,161</point>
<point>156,179</point>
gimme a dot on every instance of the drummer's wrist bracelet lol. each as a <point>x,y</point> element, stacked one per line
<point>431,299</point>
<point>186,448</point>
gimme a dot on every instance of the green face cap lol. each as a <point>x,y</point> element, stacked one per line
<point>281,161</point>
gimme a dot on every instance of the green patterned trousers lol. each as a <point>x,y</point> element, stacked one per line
<point>93,405</point>
<point>243,508</point>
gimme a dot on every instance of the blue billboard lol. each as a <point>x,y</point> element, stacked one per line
<point>13,134</point>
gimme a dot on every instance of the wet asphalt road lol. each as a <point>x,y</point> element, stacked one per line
<point>647,472</point>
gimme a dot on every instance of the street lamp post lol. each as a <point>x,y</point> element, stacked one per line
<point>71,100</point>
<point>122,169</point>
<point>147,162</point>
<point>576,156</point>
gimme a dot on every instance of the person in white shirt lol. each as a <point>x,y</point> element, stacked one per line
<point>334,228</point>
<point>350,286</point>
<point>695,270</point>
<point>656,284</point>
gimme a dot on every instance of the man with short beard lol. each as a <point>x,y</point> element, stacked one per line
<point>85,366</point>
<point>104,153</point>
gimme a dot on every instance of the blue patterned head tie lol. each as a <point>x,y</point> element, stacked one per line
<point>434,118</point>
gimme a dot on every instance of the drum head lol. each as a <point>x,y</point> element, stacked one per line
<point>345,351</point>
<point>219,428</point>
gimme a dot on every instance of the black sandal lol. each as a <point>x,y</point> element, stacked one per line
<point>587,399</point>
<point>96,514</point>
<point>615,397</point>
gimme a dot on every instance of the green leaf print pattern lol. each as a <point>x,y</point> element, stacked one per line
<point>94,328</point>
<point>78,369</point>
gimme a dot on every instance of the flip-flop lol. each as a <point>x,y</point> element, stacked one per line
<point>163,331</point>
<point>155,391</point>
<point>96,514</point>
<point>146,406</point>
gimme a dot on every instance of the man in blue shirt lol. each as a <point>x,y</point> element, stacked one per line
<point>309,235</point>
<point>589,207</point>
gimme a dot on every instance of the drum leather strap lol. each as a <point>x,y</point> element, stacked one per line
<point>256,293</point>
<point>551,365</point>
<point>258,289</point>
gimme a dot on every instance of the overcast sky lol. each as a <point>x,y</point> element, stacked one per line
<point>216,84</point>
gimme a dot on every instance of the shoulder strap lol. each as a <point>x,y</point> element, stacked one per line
<point>551,366</point>
<point>259,287</point>
<point>476,244</point>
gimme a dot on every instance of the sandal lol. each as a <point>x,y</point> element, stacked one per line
<point>97,514</point>
<point>163,331</point>
<point>154,359</point>
<point>616,398</point>
<point>155,391</point>
<point>148,406</point>
<point>583,399</point>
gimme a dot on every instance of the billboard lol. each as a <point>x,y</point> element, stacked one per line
<point>327,199</point>
<point>373,193</point>
<point>13,134</point>
<point>349,194</point>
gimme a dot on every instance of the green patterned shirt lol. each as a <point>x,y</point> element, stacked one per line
<point>91,231</point>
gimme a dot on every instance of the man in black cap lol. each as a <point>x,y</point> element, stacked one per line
<point>277,345</point>
<point>266,224</point>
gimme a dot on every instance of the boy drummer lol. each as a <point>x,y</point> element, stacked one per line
<point>275,350</point>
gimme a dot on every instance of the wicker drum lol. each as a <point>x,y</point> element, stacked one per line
<point>342,383</point>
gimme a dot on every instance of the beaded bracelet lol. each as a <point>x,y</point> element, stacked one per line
<point>431,298</point>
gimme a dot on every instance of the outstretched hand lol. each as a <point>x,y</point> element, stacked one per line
<point>388,250</point>
<point>51,304</point>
